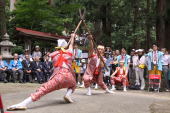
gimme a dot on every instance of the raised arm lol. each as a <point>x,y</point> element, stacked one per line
<point>91,51</point>
<point>72,41</point>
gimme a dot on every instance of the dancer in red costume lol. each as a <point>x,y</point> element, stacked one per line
<point>62,77</point>
<point>93,73</point>
<point>120,76</point>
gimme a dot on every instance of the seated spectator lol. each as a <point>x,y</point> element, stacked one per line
<point>27,69</point>
<point>120,76</point>
<point>47,68</point>
<point>15,67</point>
<point>37,69</point>
<point>37,52</point>
<point>22,56</point>
<point>3,70</point>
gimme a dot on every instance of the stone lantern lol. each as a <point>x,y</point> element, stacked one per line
<point>6,46</point>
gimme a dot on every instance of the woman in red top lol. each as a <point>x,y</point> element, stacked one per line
<point>62,77</point>
<point>120,76</point>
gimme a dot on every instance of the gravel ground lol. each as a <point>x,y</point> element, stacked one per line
<point>120,102</point>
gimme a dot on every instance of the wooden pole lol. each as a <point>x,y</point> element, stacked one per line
<point>75,31</point>
<point>95,45</point>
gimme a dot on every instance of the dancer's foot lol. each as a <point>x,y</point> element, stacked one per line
<point>109,91</point>
<point>124,89</point>
<point>113,89</point>
<point>88,93</point>
<point>16,107</point>
<point>96,87</point>
<point>68,99</point>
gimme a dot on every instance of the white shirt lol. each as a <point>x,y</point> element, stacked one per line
<point>137,61</point>
<point>165,59</point>
<point>155,57</point>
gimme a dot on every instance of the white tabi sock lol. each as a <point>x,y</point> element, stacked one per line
<point>69,92</point>
<point>109,91</point>
<point>23,103</point>
<point>89,91</point>
<point>113,87</point>
<point>96,86</point>
<point>124,88</point>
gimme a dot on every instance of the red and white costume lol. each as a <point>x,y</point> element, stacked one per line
<point>93,73</point>
<point>62,77</point>
<point>120,77</point>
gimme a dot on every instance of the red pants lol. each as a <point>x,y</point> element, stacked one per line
<point>115,80</point>
<point>61,78</point>
<point>89,79</point>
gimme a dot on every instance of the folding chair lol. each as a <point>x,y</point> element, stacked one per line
<point>154,80</point>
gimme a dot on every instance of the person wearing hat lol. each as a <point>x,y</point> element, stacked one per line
<point>120,76</point>
<point>62,77</point>
<point>93,73</point>
<point>139,63</point>
<point>37,52</point>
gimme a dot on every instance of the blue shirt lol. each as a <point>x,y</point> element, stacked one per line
<point>3,64</point>
<point>13,64</point>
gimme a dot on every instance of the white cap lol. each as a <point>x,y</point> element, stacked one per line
<point>140,50</point>
<point>62,43</point>
<point>136,50</point>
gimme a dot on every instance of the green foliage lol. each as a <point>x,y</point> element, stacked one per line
<point>17,49</point>
<point>120,25</point>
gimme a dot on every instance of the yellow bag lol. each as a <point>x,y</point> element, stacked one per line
<point>142,66</point>
<point>75,67</point>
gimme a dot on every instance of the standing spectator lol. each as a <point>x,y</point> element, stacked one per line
<point>15,67</point>
<point>47,68</point>
<point>107,72</point>
<point>77,63</point>
<point>3,70</point>
<point>131,73</point>
<point>27,69</point>
<point>124,57</point>
<point>37,68</point>
<point>37,52</point>
<point>165,68</point>
<point>139,62</point>
<point>154,62</point>
<point>114,63</point>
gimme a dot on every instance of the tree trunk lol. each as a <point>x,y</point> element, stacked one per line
<point>167,25</point>
<point>135,16</point>
<point>160,24</point>
<point>148,26</point>
<point>3,29</point>
<point>106,22</point>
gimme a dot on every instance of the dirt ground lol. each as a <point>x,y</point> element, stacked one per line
<point>120,102</point>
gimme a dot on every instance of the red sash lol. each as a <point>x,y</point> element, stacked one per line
<point>97,71</point>
<point>61,59</point>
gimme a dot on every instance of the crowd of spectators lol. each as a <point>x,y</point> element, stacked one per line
<point>26,67</point>
<point>37,68</point>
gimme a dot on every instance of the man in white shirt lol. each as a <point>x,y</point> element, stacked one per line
<point>165,67</point>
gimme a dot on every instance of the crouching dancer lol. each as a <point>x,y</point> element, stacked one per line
<point>120,76</point>
<point>62,77</point>
<point>93,73</point>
